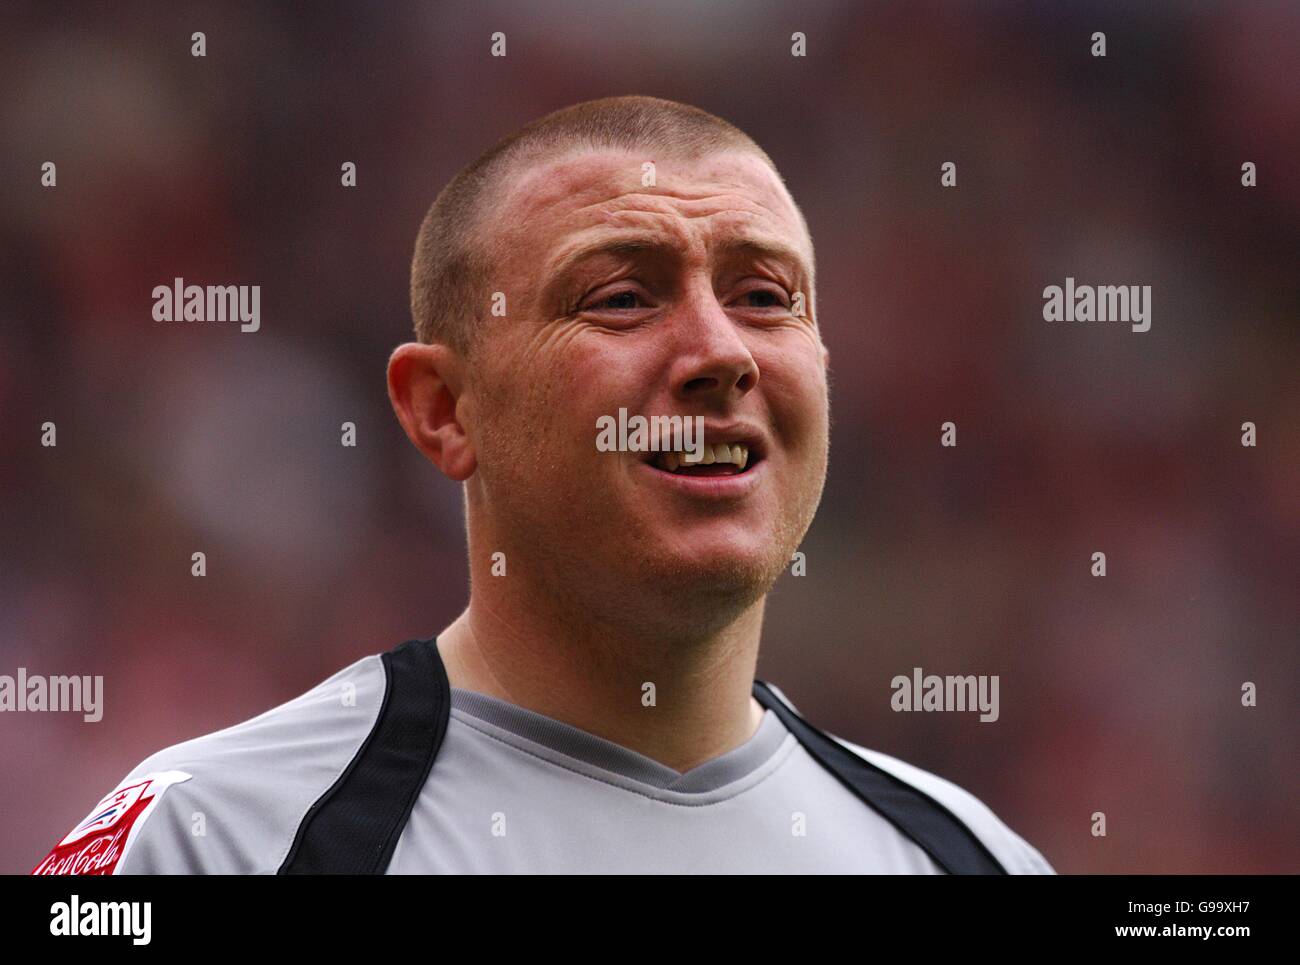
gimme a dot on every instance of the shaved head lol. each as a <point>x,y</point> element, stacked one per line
<point>690,293</point>
<point>453,264</point>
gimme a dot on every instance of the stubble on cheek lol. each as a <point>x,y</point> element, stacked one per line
<point>530,458</point>
<point>801,493</point>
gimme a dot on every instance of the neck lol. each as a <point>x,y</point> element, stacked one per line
<point>678,702</point>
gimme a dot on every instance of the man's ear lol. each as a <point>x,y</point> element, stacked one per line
<point>425,383</point>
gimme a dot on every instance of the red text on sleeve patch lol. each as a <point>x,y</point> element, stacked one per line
<point>97,845</point>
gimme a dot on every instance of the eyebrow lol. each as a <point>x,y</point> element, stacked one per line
<point>617,248</point>
<point>770,249</point>
<point>628,247</point>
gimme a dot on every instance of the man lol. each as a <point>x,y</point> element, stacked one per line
<point>594,708</point>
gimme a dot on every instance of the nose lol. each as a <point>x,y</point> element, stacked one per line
<point>713,364</point>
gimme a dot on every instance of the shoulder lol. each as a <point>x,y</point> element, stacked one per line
<point>229,802</point>
<point>1015,854</point>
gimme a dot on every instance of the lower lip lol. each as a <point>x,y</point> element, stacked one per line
<point>717,487</point>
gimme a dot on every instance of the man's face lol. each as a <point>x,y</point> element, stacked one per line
<point>696,315</point>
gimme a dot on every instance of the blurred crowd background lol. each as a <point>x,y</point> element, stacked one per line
<point>1119,695</point>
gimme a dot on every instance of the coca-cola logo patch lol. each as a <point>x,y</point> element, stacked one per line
<point>97,845</point>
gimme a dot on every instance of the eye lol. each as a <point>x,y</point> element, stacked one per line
<point>764,298</point>
<point>624,300</point>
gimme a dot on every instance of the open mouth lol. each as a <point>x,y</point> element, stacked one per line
<point>713,459</point>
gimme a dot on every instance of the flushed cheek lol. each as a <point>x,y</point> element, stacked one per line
<point>548,393</point>
<point>799,407</point>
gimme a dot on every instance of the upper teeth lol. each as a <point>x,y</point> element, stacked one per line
<point>733,452</point>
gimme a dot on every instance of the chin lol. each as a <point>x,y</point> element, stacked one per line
<point>722,576</point>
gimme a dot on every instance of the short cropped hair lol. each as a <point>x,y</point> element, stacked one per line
<point>451,269</point>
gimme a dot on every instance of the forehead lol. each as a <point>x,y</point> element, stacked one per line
<point>548,204</point>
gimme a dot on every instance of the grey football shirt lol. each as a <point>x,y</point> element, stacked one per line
<point>510,791</point>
